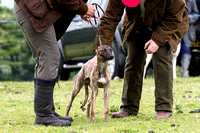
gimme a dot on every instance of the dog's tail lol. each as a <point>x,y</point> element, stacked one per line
<point>86,95</point>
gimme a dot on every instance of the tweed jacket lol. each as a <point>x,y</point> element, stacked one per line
<point>43,13</point>
<point>167,18</point>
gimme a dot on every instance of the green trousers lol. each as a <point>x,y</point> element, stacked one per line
<point>133,78</point>
<point>44,47</point>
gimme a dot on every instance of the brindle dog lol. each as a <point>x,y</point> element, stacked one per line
<point>96,74</point>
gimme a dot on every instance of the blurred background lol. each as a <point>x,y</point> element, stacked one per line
<point>16,62</point>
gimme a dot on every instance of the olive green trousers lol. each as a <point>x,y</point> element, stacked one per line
<point>133,78</point>
<point>44,47</point>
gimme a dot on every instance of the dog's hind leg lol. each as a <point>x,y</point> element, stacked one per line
<point>79,81</point>
<point>86,95</point>
<point>89,107</point>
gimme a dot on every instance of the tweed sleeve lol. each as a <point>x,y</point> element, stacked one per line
<point>78,6</point>
<point>109,21</point>
<point>170,22</point>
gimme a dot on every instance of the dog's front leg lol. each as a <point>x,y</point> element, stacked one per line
<point>93,101</point>
<point>89,107</point>
<point>106,102</point>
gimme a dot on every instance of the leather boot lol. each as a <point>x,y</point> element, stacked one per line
<point>120,114</point>
<point>163,115</point>
<point>59,116</point>
<point>43,104</point>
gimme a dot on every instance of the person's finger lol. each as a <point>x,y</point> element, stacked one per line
<point>96,17</point>
<point>149,49</point>
<point>147,45</point>
<point>89,18</point>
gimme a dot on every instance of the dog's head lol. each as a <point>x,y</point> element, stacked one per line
<point>104,53</point>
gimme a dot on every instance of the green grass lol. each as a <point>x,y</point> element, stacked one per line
<point>17,114</point>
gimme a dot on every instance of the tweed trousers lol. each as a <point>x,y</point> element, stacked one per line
<point>133,76</point>
<point>43,45</point>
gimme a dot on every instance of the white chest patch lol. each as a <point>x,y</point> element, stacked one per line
<point>102,80</point>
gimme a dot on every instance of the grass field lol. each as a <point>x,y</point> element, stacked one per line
<point>17,113</point>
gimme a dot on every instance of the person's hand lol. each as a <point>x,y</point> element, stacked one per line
<point>151,47</point>
<point>90,13</point>
<point>91,10</point>
<point>87,18</point>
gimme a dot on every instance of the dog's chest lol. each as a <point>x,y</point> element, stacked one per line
<point>102,82</point>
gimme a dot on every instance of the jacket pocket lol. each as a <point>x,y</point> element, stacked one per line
<point>37,8</point>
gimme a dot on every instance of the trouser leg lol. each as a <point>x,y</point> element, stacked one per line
<point>133,78</point>
<point>47,57</point>
<point>163,74</point>
<point>43,45</point>
<point>185,59</point>
<point>185,62</point>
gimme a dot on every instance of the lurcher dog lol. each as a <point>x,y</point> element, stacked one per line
<point>96,74</point>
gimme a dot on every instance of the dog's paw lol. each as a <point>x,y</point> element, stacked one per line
<point>107,120</point>
<point>92,121</point>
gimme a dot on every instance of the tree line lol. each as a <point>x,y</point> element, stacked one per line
<point>16,62</point>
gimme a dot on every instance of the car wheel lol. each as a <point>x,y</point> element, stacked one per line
<point>114,63</point>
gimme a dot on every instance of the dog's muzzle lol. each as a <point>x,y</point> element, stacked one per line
<point>111,57</point>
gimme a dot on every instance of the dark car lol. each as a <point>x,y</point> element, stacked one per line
<point>76,46</point>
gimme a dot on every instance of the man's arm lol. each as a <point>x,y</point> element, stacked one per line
<point>109,21</point>
<point>77,6</point>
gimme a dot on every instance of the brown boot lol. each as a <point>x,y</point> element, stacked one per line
<point>163,115</point>
<point>120,114</point>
